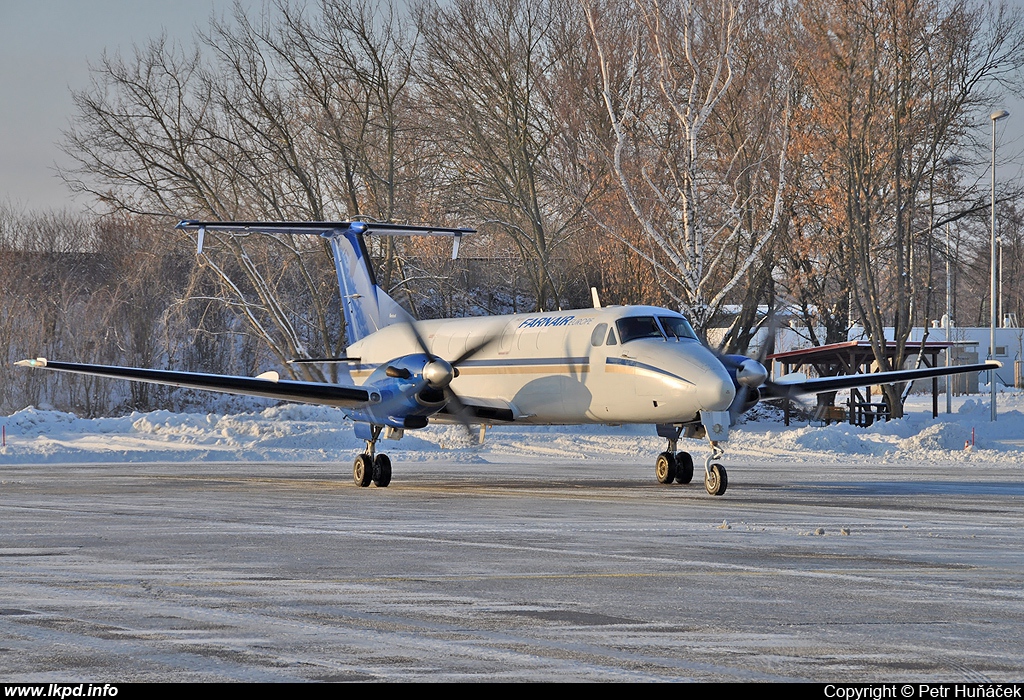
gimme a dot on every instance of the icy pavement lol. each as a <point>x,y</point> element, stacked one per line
<point>192,547</point>
<point>539,570</point>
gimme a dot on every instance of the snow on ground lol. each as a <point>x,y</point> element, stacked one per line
<point>313,434</point>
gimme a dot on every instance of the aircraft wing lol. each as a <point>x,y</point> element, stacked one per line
<point>781,390</point>
<point>266,386</point>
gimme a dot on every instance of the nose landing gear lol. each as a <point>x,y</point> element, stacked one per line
<point>716,480</point>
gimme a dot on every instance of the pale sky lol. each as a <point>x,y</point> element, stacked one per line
<point>45,47</point>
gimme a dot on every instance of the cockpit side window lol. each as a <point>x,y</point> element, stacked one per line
<point>597,337</point>
<point>677,327</point>
<point>636,327</point>
<point>611,337</point>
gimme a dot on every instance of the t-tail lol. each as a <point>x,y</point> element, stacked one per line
<point>366,306</point>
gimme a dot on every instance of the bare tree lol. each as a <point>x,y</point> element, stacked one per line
<point>252,126</point>
<point>487,75</point>
<point>893,87</point>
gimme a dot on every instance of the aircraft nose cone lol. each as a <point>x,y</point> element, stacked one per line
<point>715,391</point>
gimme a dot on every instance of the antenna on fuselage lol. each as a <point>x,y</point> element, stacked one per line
<point>597,299</point>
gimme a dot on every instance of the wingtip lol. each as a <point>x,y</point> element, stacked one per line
<point>38,362</point>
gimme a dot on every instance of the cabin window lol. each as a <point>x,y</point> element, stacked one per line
<point>597,337</point>
<point>677,327</point>
<point>638,327</point>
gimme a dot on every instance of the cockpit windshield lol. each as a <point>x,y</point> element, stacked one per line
<point>677,327</point>
<point>662,327</point>
<point>638,327</point>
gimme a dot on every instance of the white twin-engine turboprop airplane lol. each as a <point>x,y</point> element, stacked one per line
<point>618,364</point>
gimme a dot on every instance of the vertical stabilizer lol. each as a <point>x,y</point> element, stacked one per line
<point>367,307</point>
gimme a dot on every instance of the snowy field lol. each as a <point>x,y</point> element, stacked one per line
<point>318,435</point>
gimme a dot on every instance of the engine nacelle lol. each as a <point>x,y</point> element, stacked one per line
<point>411,389</point>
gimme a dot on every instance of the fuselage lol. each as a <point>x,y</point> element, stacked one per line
<point>625,364</point>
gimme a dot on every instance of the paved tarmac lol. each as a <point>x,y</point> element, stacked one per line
<point>560,571</point>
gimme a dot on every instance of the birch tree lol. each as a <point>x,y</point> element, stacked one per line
<point>707,191</point>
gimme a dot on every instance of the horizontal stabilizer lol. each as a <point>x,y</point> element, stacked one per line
<point>322,228</point>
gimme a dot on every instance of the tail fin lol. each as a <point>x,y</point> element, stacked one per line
<point>367,307</point>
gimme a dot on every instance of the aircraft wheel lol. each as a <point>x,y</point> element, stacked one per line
<point>684,468</point>
<point>716,481</point>
<point>381,470</point>
<point>362,470</point>
<point>665,468</point>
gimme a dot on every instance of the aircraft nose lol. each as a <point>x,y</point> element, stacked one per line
<point>715,391</point>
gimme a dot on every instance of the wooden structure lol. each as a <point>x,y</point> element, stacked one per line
<point>855,357</point>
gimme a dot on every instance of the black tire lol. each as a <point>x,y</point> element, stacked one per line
<point>362,470</point>
<point>716,480</point>
<point>684,468</point>
<point>665,468</point>
<point>381,470</point>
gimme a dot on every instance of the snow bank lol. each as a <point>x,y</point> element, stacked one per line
<point>312,434</point>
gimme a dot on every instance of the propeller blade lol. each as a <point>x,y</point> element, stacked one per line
<point>460,411</point>
<point>419,341</point>
<point>736,408</point>
<point>474,350</point>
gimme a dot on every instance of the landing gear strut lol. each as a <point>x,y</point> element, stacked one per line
<point>716,480</point>
<point>371,467</point>
<point>678,466</point>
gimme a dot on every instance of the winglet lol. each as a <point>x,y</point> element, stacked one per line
<point>38,362</point>
<point>186,224</point>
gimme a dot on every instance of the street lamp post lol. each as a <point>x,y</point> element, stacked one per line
<point>951,162</point>
<point>1001,317</point>
<point>995,116</point>
<point>949,324</point>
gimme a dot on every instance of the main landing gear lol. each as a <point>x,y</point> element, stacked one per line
<point>678,466</point>
<point>370,467</point>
